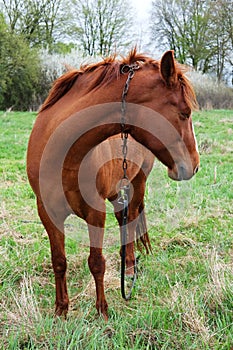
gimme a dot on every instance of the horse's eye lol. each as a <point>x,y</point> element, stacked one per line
<point>184,116</point>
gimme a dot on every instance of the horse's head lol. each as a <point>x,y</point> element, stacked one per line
<point>168,130</point>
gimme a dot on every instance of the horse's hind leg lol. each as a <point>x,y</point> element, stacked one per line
<point>141,231</point>
<point>57,245</point>
<point>96,260</point>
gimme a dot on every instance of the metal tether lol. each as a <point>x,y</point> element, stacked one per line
<point>124,191</point>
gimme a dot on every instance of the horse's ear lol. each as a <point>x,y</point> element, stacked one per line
<point>168,68</point>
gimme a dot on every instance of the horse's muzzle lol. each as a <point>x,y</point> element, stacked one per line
<point>181,172</point>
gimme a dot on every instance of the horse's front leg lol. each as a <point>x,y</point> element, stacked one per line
<point>96,260</point>
<point>57,245</point>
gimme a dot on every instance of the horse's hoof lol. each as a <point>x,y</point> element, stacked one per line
<point>105,317</point>
<point>129,272</point>
<point>60,312</point>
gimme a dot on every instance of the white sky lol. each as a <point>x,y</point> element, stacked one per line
<point>142,8</point>
<point>141,13</point>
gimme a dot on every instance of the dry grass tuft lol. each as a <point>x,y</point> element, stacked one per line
<point>220,279</point>
<point>178,240</point>
<point>193,320</point>
<point>187,306</point>
<point>25,307</point>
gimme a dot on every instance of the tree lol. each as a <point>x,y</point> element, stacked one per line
<point>18,76</point>
<point>222,27</point>
<point>101,25</point>
<point>198,31</point>
<point>35,20</point>
<point>3,73</point>
<point>183,26</point>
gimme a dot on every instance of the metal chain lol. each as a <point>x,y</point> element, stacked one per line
<point>125,185</point>
<point>130,70</point>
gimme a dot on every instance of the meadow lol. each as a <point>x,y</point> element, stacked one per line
<point>183,297</point>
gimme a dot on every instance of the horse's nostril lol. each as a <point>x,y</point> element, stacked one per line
<point>196,170</point>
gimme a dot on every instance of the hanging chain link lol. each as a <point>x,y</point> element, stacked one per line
<point>124,194</point>
<point>130,70</point>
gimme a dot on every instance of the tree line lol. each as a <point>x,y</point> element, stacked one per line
<point>199,31</point>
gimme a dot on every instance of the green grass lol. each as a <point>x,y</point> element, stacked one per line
<point>183,297</point>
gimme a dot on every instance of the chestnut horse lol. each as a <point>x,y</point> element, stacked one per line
<point>65,170</point>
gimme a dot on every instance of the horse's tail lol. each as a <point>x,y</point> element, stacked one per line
<point>142,237</point>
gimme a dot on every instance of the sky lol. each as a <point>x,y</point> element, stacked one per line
<point>141,13</point>
<point>142,8</point>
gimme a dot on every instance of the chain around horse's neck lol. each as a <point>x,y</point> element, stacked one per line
<point>130,70</point>
<point>125,184</point>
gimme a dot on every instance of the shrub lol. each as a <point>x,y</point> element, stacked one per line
<point>19,67</point>
<point>54,65</point>
<point>210,93</point>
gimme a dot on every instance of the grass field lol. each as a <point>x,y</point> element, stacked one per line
<point>184,294</point>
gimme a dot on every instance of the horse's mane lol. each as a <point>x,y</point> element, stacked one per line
<point>189,94</point>
<point>109,69</point>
